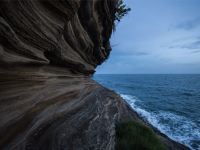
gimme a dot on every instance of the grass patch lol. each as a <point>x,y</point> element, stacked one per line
<point>134,136</point>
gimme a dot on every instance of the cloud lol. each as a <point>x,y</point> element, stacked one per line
<point>196,51</point>
<point>132,53</point>
<point>189,24</point>
<point>139,53</point>
<point>192,45</point>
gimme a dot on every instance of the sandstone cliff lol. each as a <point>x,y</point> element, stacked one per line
<point>72,34</point>
<point>48,51</point>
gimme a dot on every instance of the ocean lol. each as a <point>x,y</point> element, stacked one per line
<point>171,103</point>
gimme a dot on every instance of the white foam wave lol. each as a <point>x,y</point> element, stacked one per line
<point>177,127</point>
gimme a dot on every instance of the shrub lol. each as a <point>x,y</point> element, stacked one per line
<point>134,136</point>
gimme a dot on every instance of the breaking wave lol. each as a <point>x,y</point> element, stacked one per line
<point>178,128</point>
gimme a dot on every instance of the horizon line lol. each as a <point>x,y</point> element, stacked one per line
<point>147,73</point>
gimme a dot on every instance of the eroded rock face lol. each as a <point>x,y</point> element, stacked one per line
<point>48,51</point>
<point>73,34</point>
<point>59,113</point>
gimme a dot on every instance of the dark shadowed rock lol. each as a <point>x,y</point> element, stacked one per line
<point>72,34</point>
<point>48,51</point>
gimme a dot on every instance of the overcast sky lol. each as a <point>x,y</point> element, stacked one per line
<point>157,36</point>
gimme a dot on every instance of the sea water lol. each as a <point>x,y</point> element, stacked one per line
<point>171,103</point>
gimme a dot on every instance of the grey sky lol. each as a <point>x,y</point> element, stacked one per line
<point>157,36</point>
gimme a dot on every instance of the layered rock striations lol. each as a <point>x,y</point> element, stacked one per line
<point>48,51</point>
<point>72,34</point>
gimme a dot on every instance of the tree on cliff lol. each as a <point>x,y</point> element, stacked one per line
<point>121,10</point>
